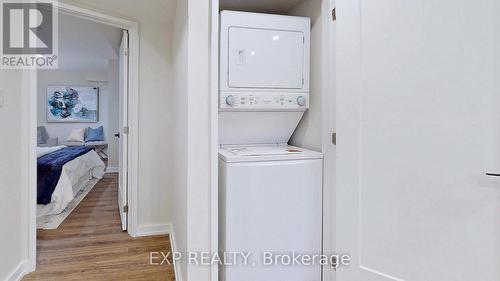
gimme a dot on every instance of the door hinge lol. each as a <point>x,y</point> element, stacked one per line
<point>125,209</point>
<point>334,138</point>
<point>126,129</point>
<point>126,51</point>
<point>334,14</point>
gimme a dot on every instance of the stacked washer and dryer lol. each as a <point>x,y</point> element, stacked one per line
<point>270,193</point>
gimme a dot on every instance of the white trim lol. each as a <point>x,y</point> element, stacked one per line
<point>154,229</point>
<point>112,170</point>
<point>214,138</point>
<point>133,140</point>
<point>95,16</point>
<point>29,141</point>
<point>133,28</point>
<point>174,249</point>
<point>328,126</point>
<point>20,271</point>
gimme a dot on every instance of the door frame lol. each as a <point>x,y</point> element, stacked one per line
<point>214,136</point>
<point>123,83</point>
<point>328,126</point>
<point>30,80</point>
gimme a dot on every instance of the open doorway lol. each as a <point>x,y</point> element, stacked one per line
<point>82,129</point>
<point>81,107</point>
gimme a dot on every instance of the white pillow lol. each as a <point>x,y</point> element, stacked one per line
<point>77,135</point>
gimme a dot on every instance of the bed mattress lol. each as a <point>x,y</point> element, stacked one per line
<point>73,176</point>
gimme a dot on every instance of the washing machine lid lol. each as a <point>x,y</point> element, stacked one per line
<point>266,153</point>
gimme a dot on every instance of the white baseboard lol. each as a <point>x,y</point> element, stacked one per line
<point>155,229</point>
<point>20,271</point>
<point>112,170</point>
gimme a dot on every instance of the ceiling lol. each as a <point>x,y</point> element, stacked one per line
<point>163,11</point>
<point>160,11</point>
<point>86,45</point>
<point>269,6</point>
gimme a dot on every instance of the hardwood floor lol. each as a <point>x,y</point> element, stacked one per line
<point>90,245</point>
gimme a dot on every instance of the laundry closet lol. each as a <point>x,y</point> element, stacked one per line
<point>273,88</point>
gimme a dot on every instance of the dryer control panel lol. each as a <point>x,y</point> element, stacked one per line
<point>263,101</point>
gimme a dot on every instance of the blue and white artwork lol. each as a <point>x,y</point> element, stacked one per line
<point>72,104</point>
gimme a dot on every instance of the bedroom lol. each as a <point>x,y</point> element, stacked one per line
<point>81,141</point>
<point>78,118</point>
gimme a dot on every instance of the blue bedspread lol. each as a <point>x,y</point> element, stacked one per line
<point>50,168</point>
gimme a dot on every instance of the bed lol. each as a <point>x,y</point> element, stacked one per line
<point>62,173</point>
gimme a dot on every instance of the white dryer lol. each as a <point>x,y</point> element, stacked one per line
<point>270,203</point>
<point>264,76</point>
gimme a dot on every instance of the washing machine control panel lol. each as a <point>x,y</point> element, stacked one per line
<point>263,101</point>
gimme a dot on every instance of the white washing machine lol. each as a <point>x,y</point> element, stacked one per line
<point>270,193</point>
<point>270,204</point>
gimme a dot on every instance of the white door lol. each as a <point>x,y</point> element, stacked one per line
<point>418,121</point>
<point>264,58</point>
<point>123,177</point>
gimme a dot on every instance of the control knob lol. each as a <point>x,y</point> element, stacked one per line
<point>230,100</point>
<point>301,101</point>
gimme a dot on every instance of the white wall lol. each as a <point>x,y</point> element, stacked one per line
<point>155,125</point>
<point>199,134</point>
<point>308,132</point>
<point>107,110</point>
<point>191,193</point>
<point>155,109</point>
<point>494,149</point>
<point>14,188</point>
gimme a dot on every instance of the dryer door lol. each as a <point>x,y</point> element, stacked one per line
<point>265,58</point>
